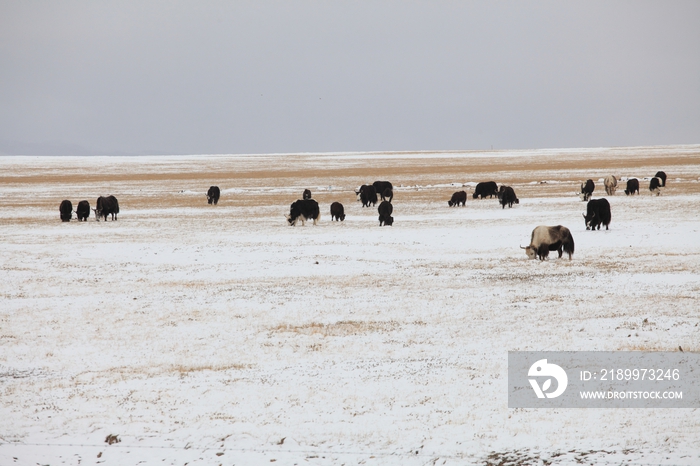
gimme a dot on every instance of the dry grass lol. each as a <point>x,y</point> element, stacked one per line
<point>183,370</point>
<point>338,329</point>
<point>158,184</point>
<point>657,347</point>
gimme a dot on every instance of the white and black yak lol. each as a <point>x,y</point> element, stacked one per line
<point>597,213</point>
<point>655,185</point>
<point>662,176</point>
<point>213,195</point>
<point>545,239</point>
<point>303,209</point>
<point>587,189</point>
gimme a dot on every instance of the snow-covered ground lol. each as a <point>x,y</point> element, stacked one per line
<point>221,335</point>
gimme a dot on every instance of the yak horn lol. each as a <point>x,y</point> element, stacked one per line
<point>522,247</point>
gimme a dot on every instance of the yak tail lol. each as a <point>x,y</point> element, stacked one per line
<point>568,246</point>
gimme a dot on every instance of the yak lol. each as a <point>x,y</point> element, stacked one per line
<point>610,183</point>
<point>587,189</point>
<point>213,195</point>
<point>106,206</point>
<point>485,188</point>
<point>83,211</point>
<point>381,186</point>
<point>388,194</point>
<point>597,213</point>
<point>367,194</point>
<point>66,210</point>
<point>306,195</point>
<point>506,195</point>
<point>632,186</point>
<point>303,209</point>
<point>385,209</point>
<point>337,211</point>
<point>655,185</point>
<point>457,198</point>
<point>545,239</point>
<point>662,176</point>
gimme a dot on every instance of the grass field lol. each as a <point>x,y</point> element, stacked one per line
<point>220,335</point>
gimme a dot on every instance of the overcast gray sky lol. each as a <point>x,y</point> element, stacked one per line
<point>137,77</point>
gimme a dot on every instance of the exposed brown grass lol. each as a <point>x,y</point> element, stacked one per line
<point>208,367</point>
<point>342,328</point>
<point>158,184</point>
<point>657,347</point>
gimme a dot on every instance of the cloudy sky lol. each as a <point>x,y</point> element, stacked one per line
<point>170,77</point>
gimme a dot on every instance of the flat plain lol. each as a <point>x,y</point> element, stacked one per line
<point>204,334</point>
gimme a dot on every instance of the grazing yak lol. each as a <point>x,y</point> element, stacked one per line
<point>66,210</point>
<point>385,209</point>
<point>632,186</point>
<point>83,211</point>
<point>303,209</point>
<point>213,195</point>
<point>380,188</point>
<point>485,188</point>
<point>337,211</point>
<point>306,195</point>
<point>655,185</point>
<point>662,176</point>
<point>106,206</point>
<point>457,198</point>
<point>506,195</point>
<point>610,183</point>
<point>388,195</point>
<point>367,194</point>
<point>597,213</point>
<point>545,239</point>
<point>587,189</point>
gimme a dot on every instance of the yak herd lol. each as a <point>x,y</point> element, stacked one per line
<point>543,240</point>
<point>558,238</point>
<point>103,207</point>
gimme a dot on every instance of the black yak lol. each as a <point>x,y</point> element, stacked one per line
<point>460,197</point>
<point>66,210</point>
